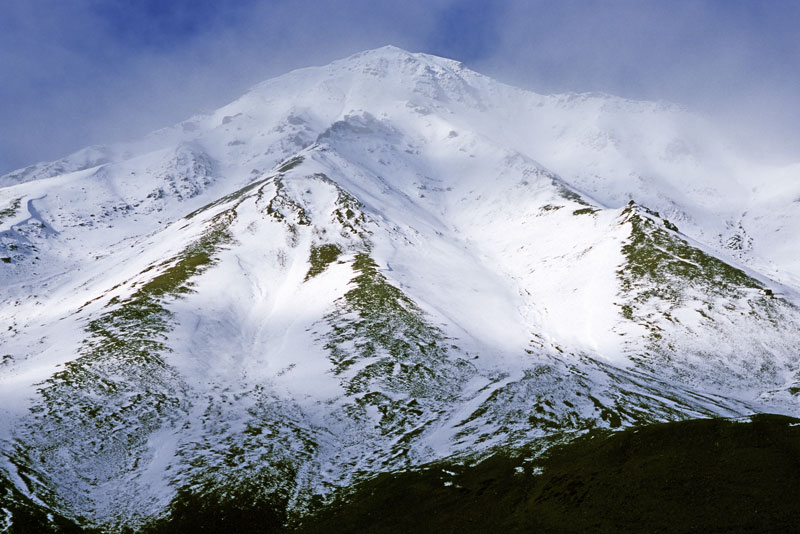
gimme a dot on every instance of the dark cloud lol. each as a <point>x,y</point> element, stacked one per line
<point>89,71</point>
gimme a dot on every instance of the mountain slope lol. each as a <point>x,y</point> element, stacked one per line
<point>371,266</point>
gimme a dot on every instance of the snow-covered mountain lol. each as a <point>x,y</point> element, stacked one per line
<point>375,264</point>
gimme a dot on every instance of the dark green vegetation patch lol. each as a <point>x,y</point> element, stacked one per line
<point>585,211</point>
<point>376,321</point>
<point>231,511</point>
<point>661,266</point>
<point>321,257</point>
<point>21,515</point>
<point>709,476</point>
<point>10,210</point>
<point>658,256</point>
<point>390,357</point>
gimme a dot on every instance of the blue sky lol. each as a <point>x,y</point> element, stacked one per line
<point>79,72</point>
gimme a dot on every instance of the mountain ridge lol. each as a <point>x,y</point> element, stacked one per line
<point>347,272</point>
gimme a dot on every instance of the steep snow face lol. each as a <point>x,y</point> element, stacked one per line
<point>372,265</point>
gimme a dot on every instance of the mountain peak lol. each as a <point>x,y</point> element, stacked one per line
<point>384,51</point>
<point>388,65</point>
<point>395,53</point>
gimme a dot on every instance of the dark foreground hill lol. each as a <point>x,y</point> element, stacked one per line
<point>707,475</point>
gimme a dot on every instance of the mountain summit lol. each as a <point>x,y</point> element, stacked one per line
<point>372,265</point>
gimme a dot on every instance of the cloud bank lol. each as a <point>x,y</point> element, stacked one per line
<point>90,71</point>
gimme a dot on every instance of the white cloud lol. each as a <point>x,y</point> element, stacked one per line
<point>68,80</point>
